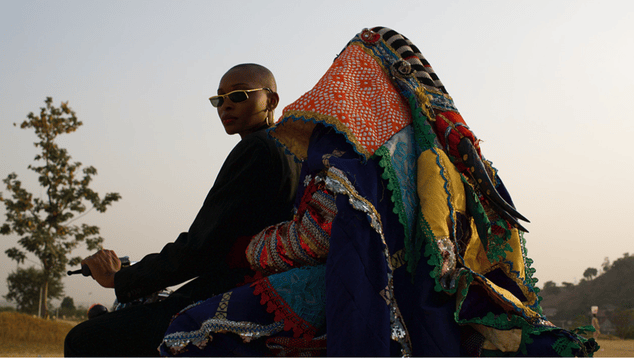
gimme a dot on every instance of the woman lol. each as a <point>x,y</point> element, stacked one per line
<point>255,188</point>
<point>405,238</point>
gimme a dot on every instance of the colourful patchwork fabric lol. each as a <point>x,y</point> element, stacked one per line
<point>403,225</point>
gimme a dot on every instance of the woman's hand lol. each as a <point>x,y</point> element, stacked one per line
<point>103,266</point>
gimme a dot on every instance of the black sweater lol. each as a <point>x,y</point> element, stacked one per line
<point>255,188</point>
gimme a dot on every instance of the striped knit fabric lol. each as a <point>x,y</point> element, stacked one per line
<point>424,73</point>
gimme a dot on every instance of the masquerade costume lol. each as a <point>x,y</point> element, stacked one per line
<point>421,253</point>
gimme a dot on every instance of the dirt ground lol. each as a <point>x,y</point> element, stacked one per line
<point>609,348</point>
<point>615,348</point>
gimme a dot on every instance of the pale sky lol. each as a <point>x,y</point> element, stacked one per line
<point>545,84</point>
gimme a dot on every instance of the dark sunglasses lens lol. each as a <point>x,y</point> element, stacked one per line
<point>236,97</point>
<point>216,101</point>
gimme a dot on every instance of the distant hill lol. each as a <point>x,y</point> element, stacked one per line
<point>612,291</point>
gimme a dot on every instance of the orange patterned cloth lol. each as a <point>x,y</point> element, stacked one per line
<point>356,97</point>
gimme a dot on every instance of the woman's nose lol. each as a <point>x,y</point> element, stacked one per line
<point>226,104</point>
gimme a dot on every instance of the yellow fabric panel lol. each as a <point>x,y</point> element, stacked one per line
<point>507,296</point>
<point>432,193</point>
<point>516,256</point>
<point>476,259</point>
<point>475,256</point>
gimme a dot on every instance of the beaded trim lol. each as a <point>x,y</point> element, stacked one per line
<point>177,342</point>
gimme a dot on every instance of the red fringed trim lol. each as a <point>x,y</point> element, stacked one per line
<point>283,312</point>
<point>250,279</point>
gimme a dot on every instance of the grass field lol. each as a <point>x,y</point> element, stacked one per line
<point>25,336</point>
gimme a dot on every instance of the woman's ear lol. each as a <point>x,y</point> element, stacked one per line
<point>273,101</point>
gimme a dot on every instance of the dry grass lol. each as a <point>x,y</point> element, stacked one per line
<point>26,336</point>
<point>615,348</point>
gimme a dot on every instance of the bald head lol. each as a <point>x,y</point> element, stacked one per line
<point>257,73</point>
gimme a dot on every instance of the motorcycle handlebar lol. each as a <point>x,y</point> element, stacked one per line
<point>85,270</point>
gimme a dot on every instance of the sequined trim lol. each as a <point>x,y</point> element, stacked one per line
<point>177,342</point>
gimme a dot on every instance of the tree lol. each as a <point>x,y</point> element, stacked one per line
<point>550,287</point>
<point>25,285</point>
<point>623,321</point>
<point>67,303</point>
<point>590,273</point>
<point>45,225</point>
<point>67,307</point>
<point>606,264</point>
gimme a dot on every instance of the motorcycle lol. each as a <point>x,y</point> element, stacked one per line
<point>98,309</point>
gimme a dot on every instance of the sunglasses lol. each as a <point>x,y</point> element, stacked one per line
<point>235,96</point>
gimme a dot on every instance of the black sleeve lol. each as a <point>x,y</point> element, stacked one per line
<point>254,189</point>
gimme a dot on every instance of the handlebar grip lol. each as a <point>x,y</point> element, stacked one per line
<point>85,270</point>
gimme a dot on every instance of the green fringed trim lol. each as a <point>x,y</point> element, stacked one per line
<point>514,319</point>
<point>463,294</point>
<point>502,322</point>
<point>564,346</point>
<point>475,208</point>
<point>425,139</point>
<point>498,243</point>
<point>530,280</point>
<point>424,234</point>
<point>393,185</point>
<point>528,330</point>
<point>423,132</point>
<point>436,259</point>
<point>583,329</point>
